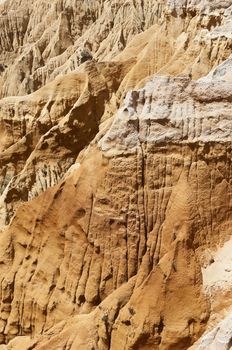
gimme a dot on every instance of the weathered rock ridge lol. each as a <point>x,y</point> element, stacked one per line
<point>162,37</point>
<point>123,161</point>
<point>41,40</point>
<point>161,197</point>
<point>42,133</point>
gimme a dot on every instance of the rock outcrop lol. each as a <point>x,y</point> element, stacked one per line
<point>116,194</point>
<point>175,39</point>
<point>43,133</point>
<point>41,40</point>
<point>149,196</point>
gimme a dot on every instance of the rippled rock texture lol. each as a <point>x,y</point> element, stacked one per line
<point>116,195</point>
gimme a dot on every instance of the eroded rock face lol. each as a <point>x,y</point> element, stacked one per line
<point>199,38</point>
<point>148,197</point>
<point>51,35</point>
<point>41,40</point>
<point>43,133</point>
<point>127,194</point>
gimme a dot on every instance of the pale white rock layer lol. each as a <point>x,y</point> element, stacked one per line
<point>173,110</point>
<point>217,276</point>
<point>220,338</point>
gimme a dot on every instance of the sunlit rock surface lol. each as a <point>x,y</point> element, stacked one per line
<point>115,177</point>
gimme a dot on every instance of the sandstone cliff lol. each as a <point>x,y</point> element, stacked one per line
<point>122,154</point>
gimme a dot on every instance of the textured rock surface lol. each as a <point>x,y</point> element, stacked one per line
<point>174,202</point>
<point>43,133</point>
<point>123,241</point>
<point>175,39</point>
<point>218,339</point>
<point>169,37</point>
